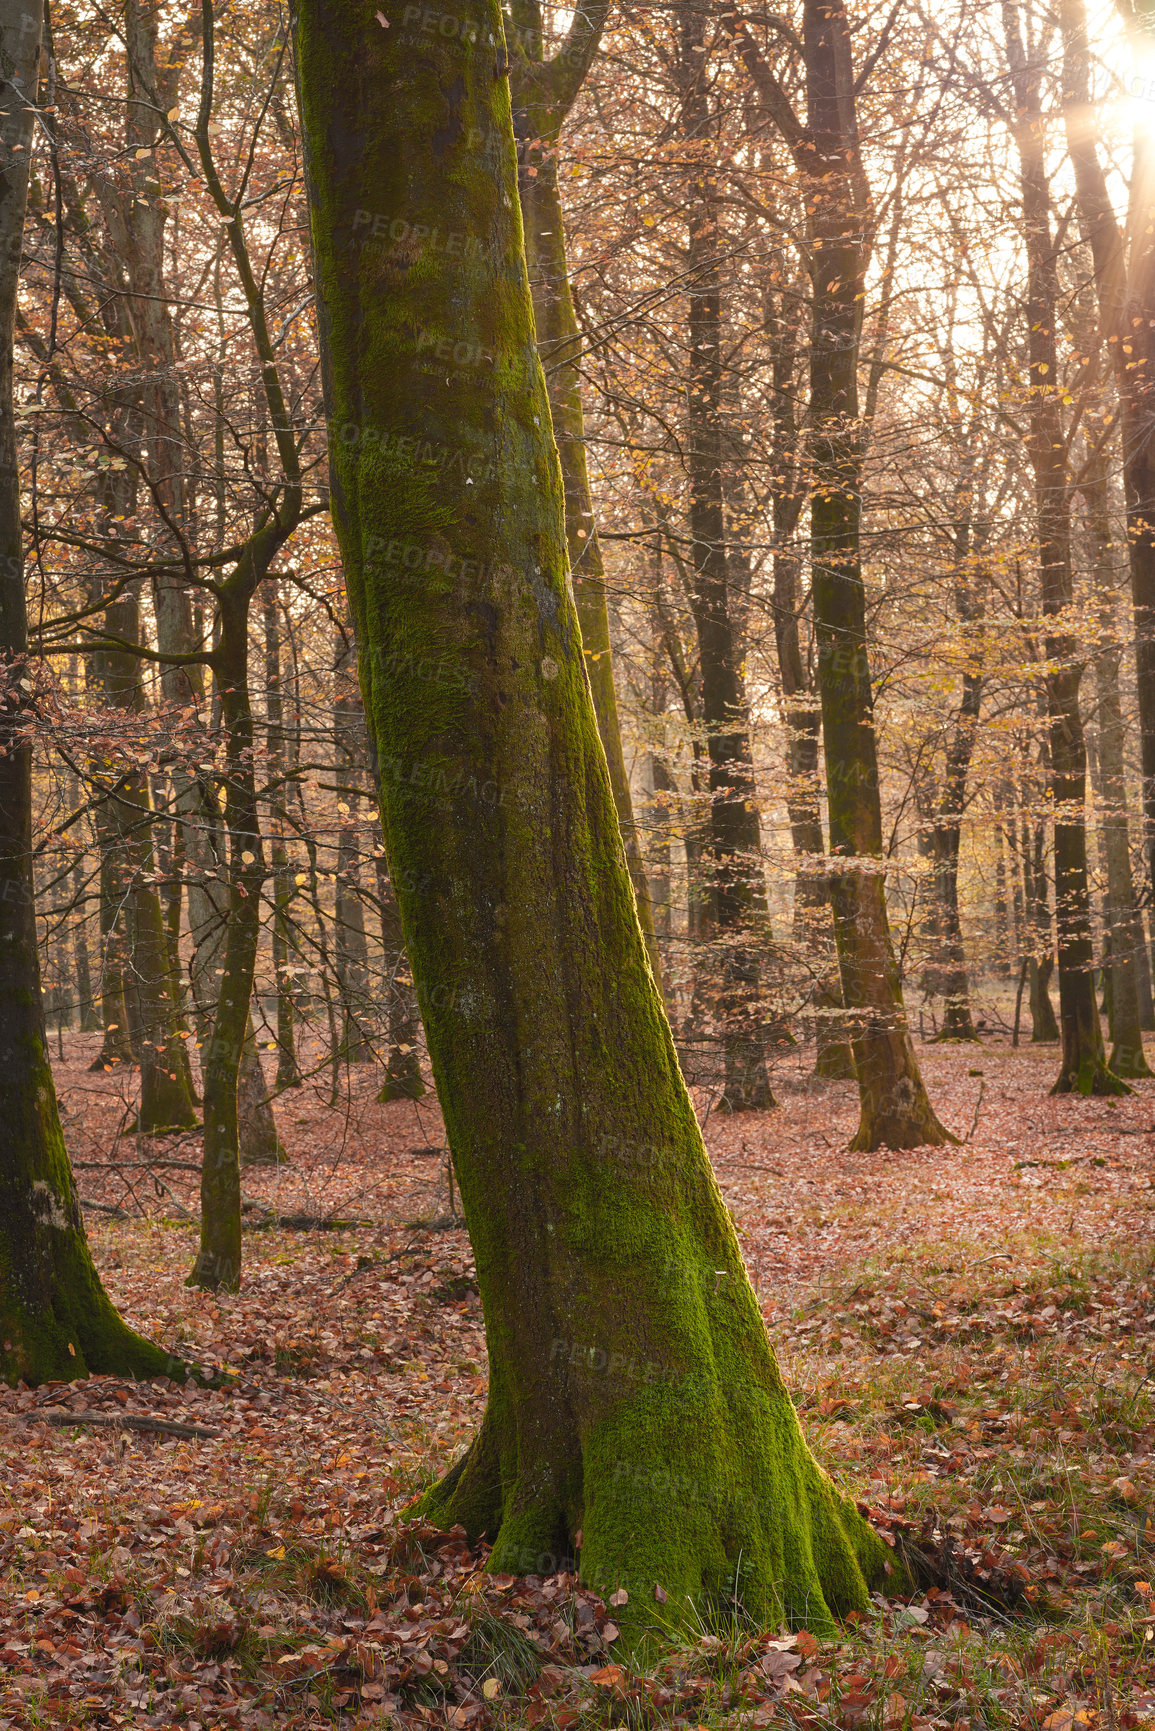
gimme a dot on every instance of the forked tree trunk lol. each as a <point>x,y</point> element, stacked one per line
<point>542,94</point>
<point>895,1109</point>
<point>633,1396</point>
<point>56,1320</point>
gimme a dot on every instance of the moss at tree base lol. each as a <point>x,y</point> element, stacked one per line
<point>706,1499</point>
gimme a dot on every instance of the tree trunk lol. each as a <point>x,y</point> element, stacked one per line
<point>218,1262</point>
<point>403,1079</point>
<point>542,95</point>
<point>209,903</point>
<point>1124,1020</point>
<point>56,1321</point>
<point>738,899</point>
<point>288,1070</point>
<point>633,1399</point>
<point>1124,276</point>
<point>350,952</point>
<point>946,834</point>
<point>1083,1068</point>
<point>895,1109</point>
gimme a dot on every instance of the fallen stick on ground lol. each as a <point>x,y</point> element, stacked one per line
<point>59,1415</point>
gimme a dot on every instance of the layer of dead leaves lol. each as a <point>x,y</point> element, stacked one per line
<point>967,1331</point>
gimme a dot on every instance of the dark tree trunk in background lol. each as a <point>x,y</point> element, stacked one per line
<point>952,980</point>
<point>896,1111</point>
<point>550,1048</point>
<point>288,1070</point>
<point>738,894</point>
<point>403,1080</point>
<point>1083,1067</point>
<point>56,1321</point>
<point>813,924</point>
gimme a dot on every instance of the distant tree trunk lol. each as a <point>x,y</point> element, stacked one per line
<point>1124,1020</point>
<point>1083,1068</point>
<point>403,1080</point>
<point>288,1070</point>
<point>350,952</point>
<point>1041,963</point>
<point>218,1261</point>
<point>565,1110</point>
<point>1124,278</point>
<point>738,898</point>
<point>946,833</point>
<point>56,1321</point>
<point>542,94</point>
<point>139,961</point>
<point>895,1109</point>
<point>802,717</point>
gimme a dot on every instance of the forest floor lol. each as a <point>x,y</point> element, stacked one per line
<point>967,1333</point>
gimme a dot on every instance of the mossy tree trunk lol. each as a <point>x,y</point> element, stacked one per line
<point>1083,1066</point>
<point>542,93</point>
<point>633,1393</point>
<point>895,1109</point>
<point>56,1320</point>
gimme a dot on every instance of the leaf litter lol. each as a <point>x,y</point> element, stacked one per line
<point>967,1333</point>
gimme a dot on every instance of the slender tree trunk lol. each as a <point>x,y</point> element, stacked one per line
<point>56,1321</point>
<point>1125,286</point>
<point>1083,1068</point>
<point>288,1070</point>
<point>350,951</point>
<point>1124,1020</point>
<point>403,1079</point>
<point>552,1055</point>
<point>946,834</point>
<point>739,917</point>
<point>218,1262</point>
<point>895,1109</point>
